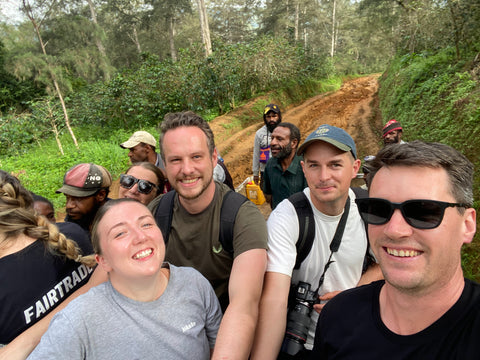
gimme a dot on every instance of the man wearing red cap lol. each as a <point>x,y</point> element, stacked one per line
<point>392,133</point>
<point>86,188</point>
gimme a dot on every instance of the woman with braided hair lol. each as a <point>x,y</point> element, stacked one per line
<point>39,266</point>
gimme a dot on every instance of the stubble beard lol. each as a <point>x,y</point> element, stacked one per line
<point>188,196</point>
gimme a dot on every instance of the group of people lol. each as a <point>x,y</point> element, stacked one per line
<point>193,271</point>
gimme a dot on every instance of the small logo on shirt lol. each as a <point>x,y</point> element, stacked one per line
<point>217,250</point>
<point>188,326</point>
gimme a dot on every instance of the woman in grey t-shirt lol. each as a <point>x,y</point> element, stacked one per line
<point>147,310</point>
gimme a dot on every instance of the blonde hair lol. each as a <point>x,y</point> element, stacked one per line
<point>18,217</point>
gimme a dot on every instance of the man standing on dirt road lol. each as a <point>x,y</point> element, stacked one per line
<point>392,133</point>
<point>419,215</point>
<point>188,149</point>
<point>261,146</point>
<point>283,173</point>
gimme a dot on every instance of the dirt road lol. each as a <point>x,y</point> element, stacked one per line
<point>354,107</point>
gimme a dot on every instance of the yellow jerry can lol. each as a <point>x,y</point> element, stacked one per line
<point>254,193</point>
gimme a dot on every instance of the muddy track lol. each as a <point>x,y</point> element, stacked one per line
<point>354,107</point>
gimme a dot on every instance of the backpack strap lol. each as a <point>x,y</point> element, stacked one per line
<point>164,213</point>
<point>360,193</point>
<point>230,205</point>
<point>306,223</point>
<point>368,260</point>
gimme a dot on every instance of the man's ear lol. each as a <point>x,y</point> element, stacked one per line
<point>215,157</point>
<point>294,144</point>
<point>470,225</point>
<point>356,166</point>
<point>101,195</point>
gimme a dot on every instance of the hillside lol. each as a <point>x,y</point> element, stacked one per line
<point>353,107</point>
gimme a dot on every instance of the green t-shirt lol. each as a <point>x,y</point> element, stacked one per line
<point>281,184</point>
<point>193,239</point>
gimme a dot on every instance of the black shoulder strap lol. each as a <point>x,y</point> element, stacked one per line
<point>228,178</point>
<point>360,193</point>
<point>164,213</point>
<point>368,260</point>
<point>230,205</point>
<point>306,223</point>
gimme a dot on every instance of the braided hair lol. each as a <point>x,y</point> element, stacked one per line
<point>17,217</point>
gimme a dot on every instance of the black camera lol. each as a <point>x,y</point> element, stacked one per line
<point>301,300</point>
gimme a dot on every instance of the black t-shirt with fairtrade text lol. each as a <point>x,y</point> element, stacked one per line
<point>350,327</point>
<point>33,282</point>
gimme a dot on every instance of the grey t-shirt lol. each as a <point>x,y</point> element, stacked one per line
<point>103,324</point>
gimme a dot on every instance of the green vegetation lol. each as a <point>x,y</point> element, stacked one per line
<point>120,68</point>
<point>40,165</point>
<point>436,97</point>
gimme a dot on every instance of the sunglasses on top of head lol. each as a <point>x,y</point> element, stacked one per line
<point>144,186</point>
<point>420,214</point>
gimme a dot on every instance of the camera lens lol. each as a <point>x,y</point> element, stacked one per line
<point>298,319</point>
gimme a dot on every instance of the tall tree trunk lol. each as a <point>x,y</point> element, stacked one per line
<point>98,41</point>
<point>134,37</point>
<point>332,49</point>
<point>297,17</point>
<point>205,28</point>
<point>171,28</point>
<point>54,128</point>
<point>29,14</point>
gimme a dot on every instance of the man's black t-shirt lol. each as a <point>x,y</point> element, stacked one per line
<point>350,327</point>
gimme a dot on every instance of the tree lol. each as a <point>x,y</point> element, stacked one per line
<point>98,40</point>
<point>202,12</point>
<point>29,12</point>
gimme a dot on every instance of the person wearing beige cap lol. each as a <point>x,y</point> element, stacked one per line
<point>142,146</point>
<point>86,188</point>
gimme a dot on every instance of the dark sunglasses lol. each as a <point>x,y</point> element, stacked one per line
<point>144,186</point>
<point>421,214</point>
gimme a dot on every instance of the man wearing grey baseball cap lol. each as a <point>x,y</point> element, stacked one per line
<point>86,188</point>
<point>329,164</point>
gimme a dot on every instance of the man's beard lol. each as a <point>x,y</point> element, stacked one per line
<point>270,126</point>
<point>284,152</point>
<point>395,140</point>
<point>194,196</point>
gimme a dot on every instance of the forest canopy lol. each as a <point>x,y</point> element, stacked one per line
<point>118,63</point>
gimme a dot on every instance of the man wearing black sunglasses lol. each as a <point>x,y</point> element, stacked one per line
<point>419,214</point>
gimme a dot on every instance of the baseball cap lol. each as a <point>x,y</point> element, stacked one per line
<point>332,135</point>
<point>139,137</point>
<point>390,126</point>
<point>84,180</point>
<point>271,107</point>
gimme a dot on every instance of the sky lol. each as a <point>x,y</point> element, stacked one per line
<point>9,11</point>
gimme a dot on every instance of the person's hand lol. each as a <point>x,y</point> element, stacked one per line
<point>255,179</point>
<point>324,299</point>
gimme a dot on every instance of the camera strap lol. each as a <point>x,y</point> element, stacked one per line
<point>337,239</point>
